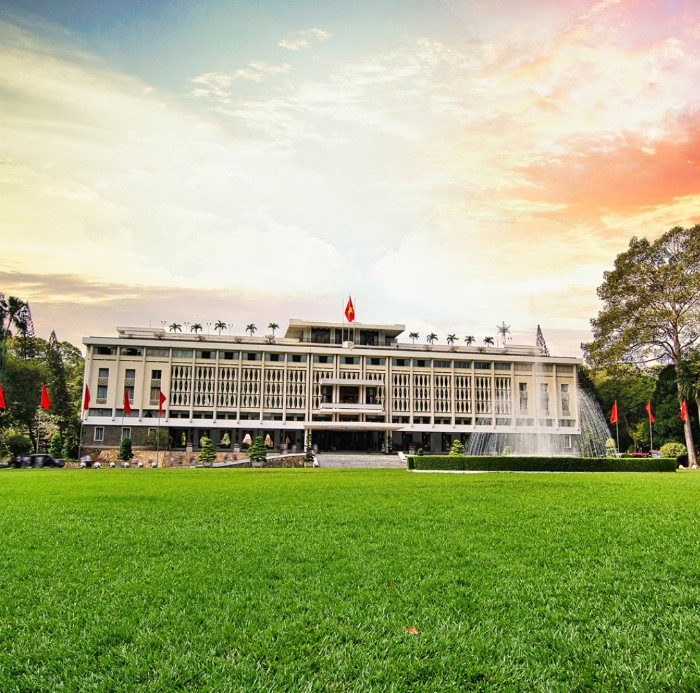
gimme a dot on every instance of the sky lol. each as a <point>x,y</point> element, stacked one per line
<point>451,164</point>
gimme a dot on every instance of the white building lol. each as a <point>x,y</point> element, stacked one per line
<point>353,387</point>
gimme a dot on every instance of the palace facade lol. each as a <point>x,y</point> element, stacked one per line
<point>350,386</point>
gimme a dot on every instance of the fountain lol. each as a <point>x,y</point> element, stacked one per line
<point>591,443</point>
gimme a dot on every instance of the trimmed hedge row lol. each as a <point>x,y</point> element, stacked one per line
<point>512,463</point>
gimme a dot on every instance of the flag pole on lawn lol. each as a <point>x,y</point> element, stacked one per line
<point>651,421</point>
<point>86,407</point>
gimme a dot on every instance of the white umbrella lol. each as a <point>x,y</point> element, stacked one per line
<point>247,440</point>
<point>268,441</point>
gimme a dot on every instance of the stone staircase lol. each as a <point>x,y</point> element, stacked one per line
<point>359,460</point>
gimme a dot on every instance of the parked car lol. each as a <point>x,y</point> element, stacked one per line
<point>640,454</point>
<point>43,459</point>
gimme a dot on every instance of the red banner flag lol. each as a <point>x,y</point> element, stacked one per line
<point>648,408</point>
<point>613,413</point>
<point>2,399</point>
<point>127,406</point>
<point>350,310</point>
<point>163,398</point>
<point>45,401</point>
<point>684,411</point>
<point>86,399</point>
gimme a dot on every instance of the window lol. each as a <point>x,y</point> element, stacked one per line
<point>126,432</point>
<point>501,366</point>
<point>567,442</point>
<point>544,397</point>
<point>106,351</point>
<point>375,361</point>
<point>350,360</point>
<point>158,353</point>
<point>442,364</point>
<point>323,358</point>
<point>463,364</point>
<point>182,353</point>
<point>522,389</point>
<point>132,351</point>
<point>103,373</point>
<point>565,369</point>
<point>101,393</point>
<point>401,362</point>
<point>297,358</point>
<point>99,434</point>
<point>274,357</point>
<point>421,363</point>
<point>130,374</point>
<point>523,367</point>
<point>252,356</point>
<point>156,374</point>
<point>565,398</point>
<point>482,365</point>
<point>206,354</point>
<point>229,355</point>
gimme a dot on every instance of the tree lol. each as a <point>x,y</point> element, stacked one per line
<point>15,443</point>
<point>158,438</point>
<point>488,341</point>
<point>56,445</point>
<point>257,452</point>
<point>15,314</point>
<point>431,338</point>
<point>196,327</point>
<point>207,451</point>
<point>469,339</point>
<point>251,328</point>
<point>273,326</point>
<point>413,336</point>
<point>220,326</point>
<point>125,451</point>
<point>451,339</point>
<point>457,448</point>
<point>651,307</point>
<point>175,327</point>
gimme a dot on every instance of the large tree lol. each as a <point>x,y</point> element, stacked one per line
<point>651,307</point>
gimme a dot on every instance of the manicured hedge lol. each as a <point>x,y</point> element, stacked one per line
<point>512,463</point>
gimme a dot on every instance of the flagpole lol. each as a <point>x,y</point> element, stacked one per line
<point>617,433</point>
<point>651,438</point>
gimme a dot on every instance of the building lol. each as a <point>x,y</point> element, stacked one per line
<point>350,386</point>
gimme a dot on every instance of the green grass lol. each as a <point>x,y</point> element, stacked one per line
<point>296,580</point>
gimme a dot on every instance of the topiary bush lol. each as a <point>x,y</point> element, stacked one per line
<point>257,452</point>
<point>207,451</point>
<point>56,445</point>
<point>673,449</point>
<point>457,448</point>
<point>125,451</point>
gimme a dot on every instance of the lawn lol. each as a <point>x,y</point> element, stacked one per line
<point>296,580</point>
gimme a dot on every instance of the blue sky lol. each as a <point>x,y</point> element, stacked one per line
<point>451,164</point>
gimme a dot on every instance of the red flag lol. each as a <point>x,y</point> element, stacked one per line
<point>648,408</point>
<point>2,399</point>
<point>350,310</point>
<point>127,406</point>
<point>162,402</point>
<point>684,411</point>
<point>613,414</point>
<point>45,401</point>
<point>86,399</point>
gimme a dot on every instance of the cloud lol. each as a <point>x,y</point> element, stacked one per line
<point>303,39</point>
<point>216,84</point>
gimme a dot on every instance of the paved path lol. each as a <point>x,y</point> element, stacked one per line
<point>359,460</point>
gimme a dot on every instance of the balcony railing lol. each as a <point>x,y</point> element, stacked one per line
<point>351,407</point>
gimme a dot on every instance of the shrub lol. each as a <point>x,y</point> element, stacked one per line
<point>419,452</point>
<point>125,451</point>
<point>542,464</point>
<point>207,451</point>
<point>17,444</point>
<point>56,445</point>
<point>257,452</point>
<point>673,450</point>
<point>457,448</point>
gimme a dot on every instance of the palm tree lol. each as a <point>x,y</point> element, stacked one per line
<point>488,340</point>
<point>196,327</point>
<point>14,312</point>
<point>413,336</point>
<point>251,328</point>
<point>220,325</point>
<point>431,337</point>
<point>175,327</point>
<point>273,326</point>
<point>451,339</point>
<point>469,339</point>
